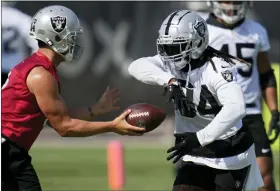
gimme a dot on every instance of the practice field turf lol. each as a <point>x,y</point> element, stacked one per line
<point>82,169</point>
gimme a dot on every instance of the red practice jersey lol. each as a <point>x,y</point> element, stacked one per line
<point>22,119</point>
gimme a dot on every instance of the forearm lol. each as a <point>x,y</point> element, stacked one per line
<point>226,119</point>
<point>84,113</point>
<point>270,97</point>
<point>233,110</point>
<point>269,89</point>
<point>80,128</point>
<point>147,72</point>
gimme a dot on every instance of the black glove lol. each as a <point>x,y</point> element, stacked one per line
<point>274,125</point>
<point>178,98</point>
<point>188,142</point>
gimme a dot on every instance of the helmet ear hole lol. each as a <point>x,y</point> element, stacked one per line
<point>57,38</point>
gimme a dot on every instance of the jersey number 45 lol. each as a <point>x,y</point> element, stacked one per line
<point>249,59</point>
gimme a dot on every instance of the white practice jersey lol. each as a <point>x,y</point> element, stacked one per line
<point>210,90</point>
<point>16,42</point>
<point>244,41</point>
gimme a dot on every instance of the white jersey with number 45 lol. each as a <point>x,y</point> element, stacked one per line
<point>244,41</point>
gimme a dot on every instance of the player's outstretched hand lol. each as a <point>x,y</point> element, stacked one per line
<point>123,128</point>
<point>107,102</point>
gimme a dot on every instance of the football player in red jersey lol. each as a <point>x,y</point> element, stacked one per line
<point>31,97</point>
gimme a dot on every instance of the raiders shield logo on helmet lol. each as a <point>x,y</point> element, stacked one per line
<point>200,28</point>
<point>58,23</point>
<point>227,75</point>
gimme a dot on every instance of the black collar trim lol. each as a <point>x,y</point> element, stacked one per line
<point>197,63</point>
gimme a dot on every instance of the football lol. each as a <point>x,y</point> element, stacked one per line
<point>145,115</point>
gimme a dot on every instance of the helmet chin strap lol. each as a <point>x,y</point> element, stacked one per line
<point>188,76</point>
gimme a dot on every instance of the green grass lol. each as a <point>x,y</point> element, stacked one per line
<point>86,169</point>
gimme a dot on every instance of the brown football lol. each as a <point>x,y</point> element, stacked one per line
<point>145,115</point>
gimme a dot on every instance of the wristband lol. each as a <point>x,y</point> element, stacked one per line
<point>90,111</point>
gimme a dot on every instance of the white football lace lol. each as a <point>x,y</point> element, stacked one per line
<point>143,114</point>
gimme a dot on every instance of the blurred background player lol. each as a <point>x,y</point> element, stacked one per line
<point>31,98</point>
<point>16,42</point>
<point>216,148</point>
<point>200,7</point>
<point>203,9</point>
<point>230,31</point>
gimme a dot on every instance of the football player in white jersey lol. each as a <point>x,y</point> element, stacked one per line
<point>231,32</point>
<point>16,42</point>
<point>217,150</point>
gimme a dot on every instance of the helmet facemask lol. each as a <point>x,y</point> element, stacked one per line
<point>230,13</point>
<point>176,54</point>
<point>68,47</point>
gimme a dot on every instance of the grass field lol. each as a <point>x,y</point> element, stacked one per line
<point>82,169</point>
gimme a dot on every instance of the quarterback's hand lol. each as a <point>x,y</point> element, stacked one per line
<point>187,143</point>
<point>274,125</point>
<point>107,102</point>
<point>121,126</point>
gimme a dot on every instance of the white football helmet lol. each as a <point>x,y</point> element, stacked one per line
<point>183,36</point>
<point>58,27</point>
<point>229,11</point>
